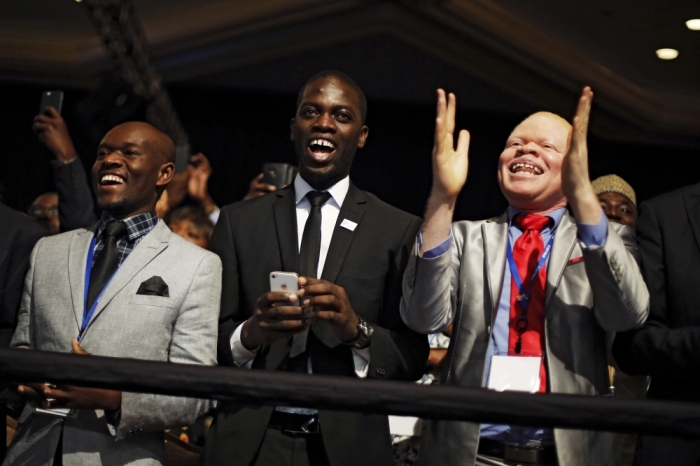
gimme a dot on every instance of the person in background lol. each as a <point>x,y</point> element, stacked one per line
<point>44,211</point>
<point>18,235</point>
<point>76,208</point>
<point>191,223</point>
<point>617,198</point>
<point>619,203</point>
<point>667,346</point>
<point>531,293</point>
<point>134,275</point>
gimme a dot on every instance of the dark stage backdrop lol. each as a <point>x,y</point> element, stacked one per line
<point>240,130</point>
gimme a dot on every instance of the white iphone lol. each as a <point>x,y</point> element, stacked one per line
<point>284,281</point>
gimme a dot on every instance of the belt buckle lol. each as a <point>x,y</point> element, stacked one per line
<point>521,455</point>
<point>305,426</point>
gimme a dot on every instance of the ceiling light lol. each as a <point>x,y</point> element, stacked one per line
<point>693,24</point>
<point>667,54</point>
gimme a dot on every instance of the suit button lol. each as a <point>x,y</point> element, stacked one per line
<point>379,371</point>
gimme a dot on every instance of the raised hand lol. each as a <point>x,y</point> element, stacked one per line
<point>200,170</point>
<point>575,180</point>
<point>258,188</point>
<point>450,169</point>
<point>450,166</point>
<point>53,132</point>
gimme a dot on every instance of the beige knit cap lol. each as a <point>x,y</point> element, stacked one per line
<point>614,184</point>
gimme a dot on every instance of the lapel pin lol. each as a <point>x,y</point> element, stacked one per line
<point>348,224</point>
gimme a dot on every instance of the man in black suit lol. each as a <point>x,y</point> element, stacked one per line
<point>348,323</point>
<point>667,346</point>
<point>18,235</point>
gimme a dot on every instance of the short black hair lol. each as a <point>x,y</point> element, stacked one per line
<point>340,76</point>
<point>194,214</point>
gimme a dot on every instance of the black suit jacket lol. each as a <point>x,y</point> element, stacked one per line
<point>667,346</point>
<point>256,237</point>
<point>18,235</point>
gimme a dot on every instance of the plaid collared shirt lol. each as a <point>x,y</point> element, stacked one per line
<point>136,228</point>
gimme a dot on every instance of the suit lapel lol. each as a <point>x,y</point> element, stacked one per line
<point>692,207</point>
<point>77,263</point>
<point>495,236</point>
<point>286,227</point>
<point>564,242</point>
<point>353,209</point>
<point>150,246</point>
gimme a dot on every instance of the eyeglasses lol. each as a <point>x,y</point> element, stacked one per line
<point>39,211</point>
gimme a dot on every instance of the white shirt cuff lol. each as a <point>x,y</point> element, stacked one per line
<point>214,215</point>
<point>242,356</point>
<point>361,359</point>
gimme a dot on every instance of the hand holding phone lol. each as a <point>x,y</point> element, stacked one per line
<point>284,281</point>
<point>275,316</point>
<point>51,99</point>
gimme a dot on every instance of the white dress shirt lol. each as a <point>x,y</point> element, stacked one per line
<point>329,216</point>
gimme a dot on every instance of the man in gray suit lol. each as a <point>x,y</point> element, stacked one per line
<point>531,293</point>
<point>128,287</point>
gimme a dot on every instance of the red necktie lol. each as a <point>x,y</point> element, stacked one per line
<point>527,250</point>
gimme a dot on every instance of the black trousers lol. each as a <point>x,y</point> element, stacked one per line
<point>285,449</point>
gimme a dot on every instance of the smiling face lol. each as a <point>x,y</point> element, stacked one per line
<point>529,169</point>
<point>133,167</point>
<point>618,208</point>
<point>327,130</point>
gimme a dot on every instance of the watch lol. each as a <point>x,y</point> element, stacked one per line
<point>364,333</point>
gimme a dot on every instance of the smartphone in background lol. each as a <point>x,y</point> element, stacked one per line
<point>51,99</point>
<point>182,157</point>
<point>284,281</point>
<point>279,174</point>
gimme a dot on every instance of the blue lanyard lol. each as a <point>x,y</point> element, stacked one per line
<point>524,293</point>
<point>87,314</point>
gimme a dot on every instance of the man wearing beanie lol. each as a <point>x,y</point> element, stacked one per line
<point>619,203</point>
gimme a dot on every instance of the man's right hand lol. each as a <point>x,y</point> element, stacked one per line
<point>53,132</point>
<point>450,168</point>
<point>275,317</point>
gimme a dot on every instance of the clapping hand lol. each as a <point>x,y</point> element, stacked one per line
<point>576,183</point>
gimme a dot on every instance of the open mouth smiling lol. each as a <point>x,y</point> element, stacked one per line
<point>525,168</point>
<point>321,149</point>
<point>111,180</point>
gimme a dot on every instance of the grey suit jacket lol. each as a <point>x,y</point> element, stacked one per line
<point>181,328</point>
<point>584,300</point>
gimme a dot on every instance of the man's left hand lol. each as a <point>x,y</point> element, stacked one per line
<point>331,304</point>
<point>68,396</point>
<point>576,183</point>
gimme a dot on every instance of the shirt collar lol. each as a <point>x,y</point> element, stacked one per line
<point>136,225</point>
<point>338,191</point>
<point>555,215</point>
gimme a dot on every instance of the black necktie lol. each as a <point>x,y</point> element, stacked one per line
<point>107,261</point>
<point>309,254</point>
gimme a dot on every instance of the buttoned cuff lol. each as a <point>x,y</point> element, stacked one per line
<point>361,359</point>
<point>438,250</point>
<point>242,356</point>
<point>593,235</point>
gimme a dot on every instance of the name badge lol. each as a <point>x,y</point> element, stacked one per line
<point>515,373</point>
<point>348,224</point>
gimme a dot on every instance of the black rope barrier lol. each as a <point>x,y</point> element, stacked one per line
<point>347,394</point>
